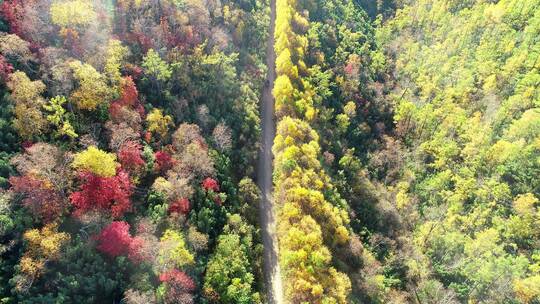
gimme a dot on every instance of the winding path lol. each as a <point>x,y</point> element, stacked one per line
<point>264,174</point>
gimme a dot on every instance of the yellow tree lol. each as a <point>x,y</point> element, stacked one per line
<point>96,161</point>
<point>173,252</point>
<point>77,13</point>
<point>158,123</point>
<point>42,246</point>
<point>299,178</point>
<point>116,54</point>
<point>92,89</point>
<point>26,94</point>
<point>307,262</point>
<point>58,116</point>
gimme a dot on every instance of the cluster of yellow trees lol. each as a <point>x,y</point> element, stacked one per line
<point>304,213</point>
<point>472,116</point>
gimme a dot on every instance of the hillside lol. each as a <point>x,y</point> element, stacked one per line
<point>269,151</point>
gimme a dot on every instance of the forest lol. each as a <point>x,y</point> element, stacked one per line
<point>401,139</point>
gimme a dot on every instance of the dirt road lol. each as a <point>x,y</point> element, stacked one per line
<point>264,174</point>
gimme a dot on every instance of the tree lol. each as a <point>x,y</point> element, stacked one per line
<point>58,117</point>
<point>76,13</point>
<point>158,123</point>
<point>5,69</point>
<point>306,262</point>
<point>173,252</point>
<point>95,161</point>
<point>121,133</point>
<point>175,187</point>
<point>16,52</point>
<point>42,246</point>
<point>44,180</point>
<point>191,148</point>
<point>197,240</point>
<point>222,136</point>
<point>92,89</point>
<point>116,55</point>
<point>115,239</point>
<point>157,71</point>
<point>9,138</point>
<point>144,245</point>
<point>129,96</point>
<point>229,277</point>
<point>250,196</point>
<point>301,185</point>
<point>528,289</point>
<point>80,275</point>
<point>45,162</point>
<point>197,162</point>
<point>130,157</point>
<point>100,193</point>
<point>136,297</point>
<point>127,108</point>
<point>210,184</point>
<point>185,135</point>
<point>180,206</point>
<point>164,161</point>
<point>26,94</point>
<point>178,287</point>
<point>155,67</point>
<point>12,12</point>
<point>42,200</point>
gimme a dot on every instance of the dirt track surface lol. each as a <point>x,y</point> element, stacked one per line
<point>264,174</point>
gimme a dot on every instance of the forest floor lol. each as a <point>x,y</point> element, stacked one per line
<point>264,174</point>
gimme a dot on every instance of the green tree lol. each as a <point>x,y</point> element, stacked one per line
<point>229,274</point>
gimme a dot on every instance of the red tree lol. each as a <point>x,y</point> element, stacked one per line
<point>210,184</point>
<point>134,250</point>
<point>178,279</point>
<point>133,70</point>
<point>179,287</point>
<point>128,93</point>
<point>27,144</point>
<point>114,240</point>
<point>180,206</point>
<point>13,12</point>
<point>5,69</point>
<point>129,99</point>
<point>105,193</point>
<point>147,136</point>
<point>130,156</point>
<point>39,197</point>
<point>115,111</point>
<point>72,41</point>
<point>164,161</point>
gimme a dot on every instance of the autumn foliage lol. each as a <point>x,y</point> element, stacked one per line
<point>210,184</point>
<point>12,11</point>
<point>128,93</point>
<point>38,196</point>
<point>179,278</point>
<point>95,161</point>
<point>114,240</point>
<point>129,99</point>
<point>179,286</point>
<point>5,68</point>
<point>164,161</point>
<point>180,206</point>
<point>130,156</point>
<point>109,194</point>
<point>42,246</point>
